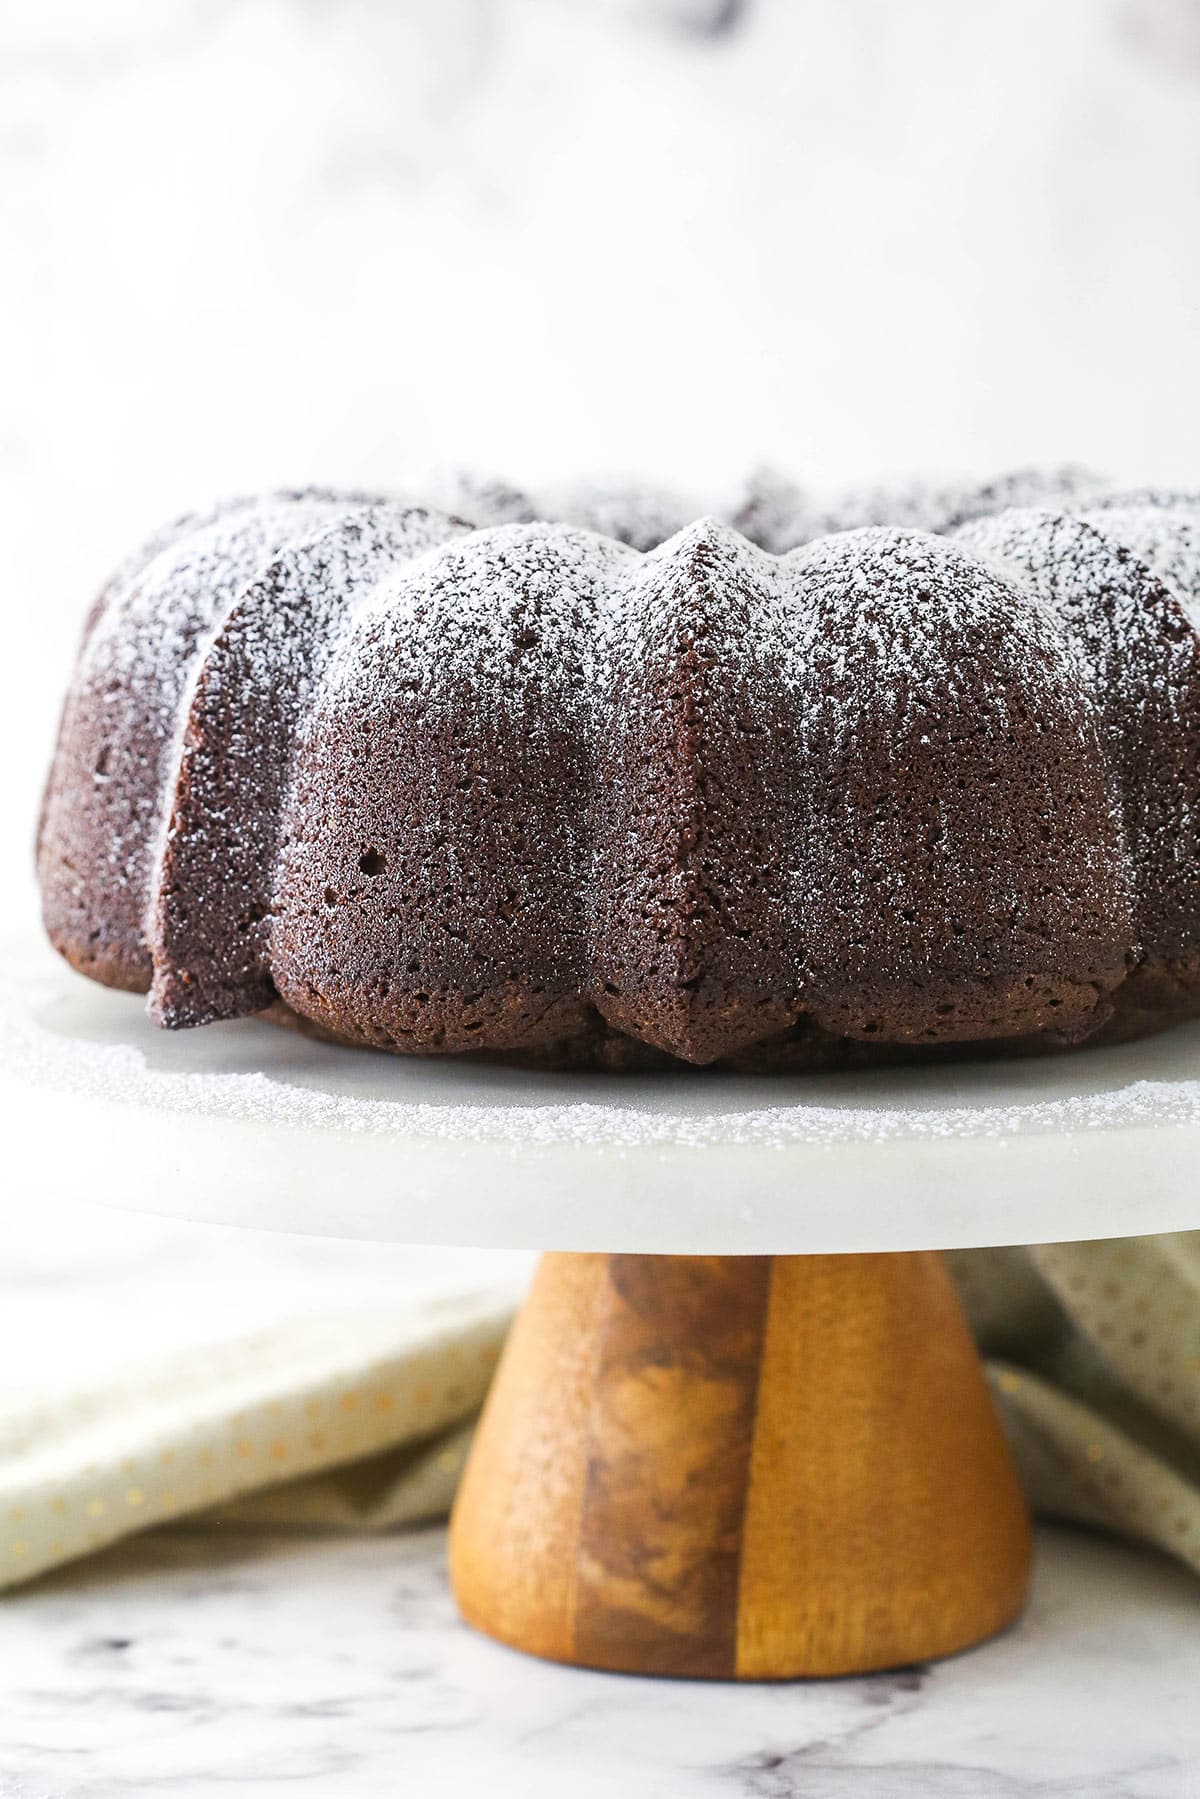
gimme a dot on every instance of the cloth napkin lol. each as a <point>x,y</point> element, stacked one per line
<point>363,1420</point>
<point>347,1420</point>
<point>1093,1350</point>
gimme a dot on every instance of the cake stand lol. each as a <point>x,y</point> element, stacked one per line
<point>740,1428</point>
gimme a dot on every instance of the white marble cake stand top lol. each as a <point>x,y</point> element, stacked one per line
<point>249,1124</point>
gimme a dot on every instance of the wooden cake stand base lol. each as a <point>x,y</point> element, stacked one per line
<point>746,1467</point>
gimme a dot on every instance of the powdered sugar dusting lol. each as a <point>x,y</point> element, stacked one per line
<point>109,787</point>
<point>435,832</point>
<point>238,733</point>
<point>1112,580</point>
<point>924,680</point>
<point>1166,537</point>
<point>771,510</point>
<point>778,514</point>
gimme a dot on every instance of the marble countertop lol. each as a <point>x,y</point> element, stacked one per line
<point>272,1665</point>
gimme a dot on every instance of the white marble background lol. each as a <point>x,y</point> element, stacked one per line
<point>256,241</point>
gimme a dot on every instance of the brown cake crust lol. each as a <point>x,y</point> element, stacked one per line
<point>534,791</point>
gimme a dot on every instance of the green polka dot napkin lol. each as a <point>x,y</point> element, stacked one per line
<point>363,1421</point>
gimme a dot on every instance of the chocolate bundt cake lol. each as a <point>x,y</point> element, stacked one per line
<point>771,792</point>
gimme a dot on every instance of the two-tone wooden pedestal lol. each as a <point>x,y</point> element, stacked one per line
<point>740,1467</point>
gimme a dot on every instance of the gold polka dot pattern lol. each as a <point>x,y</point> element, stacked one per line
<point>1095,1360</point>
<point>340,1421</point>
